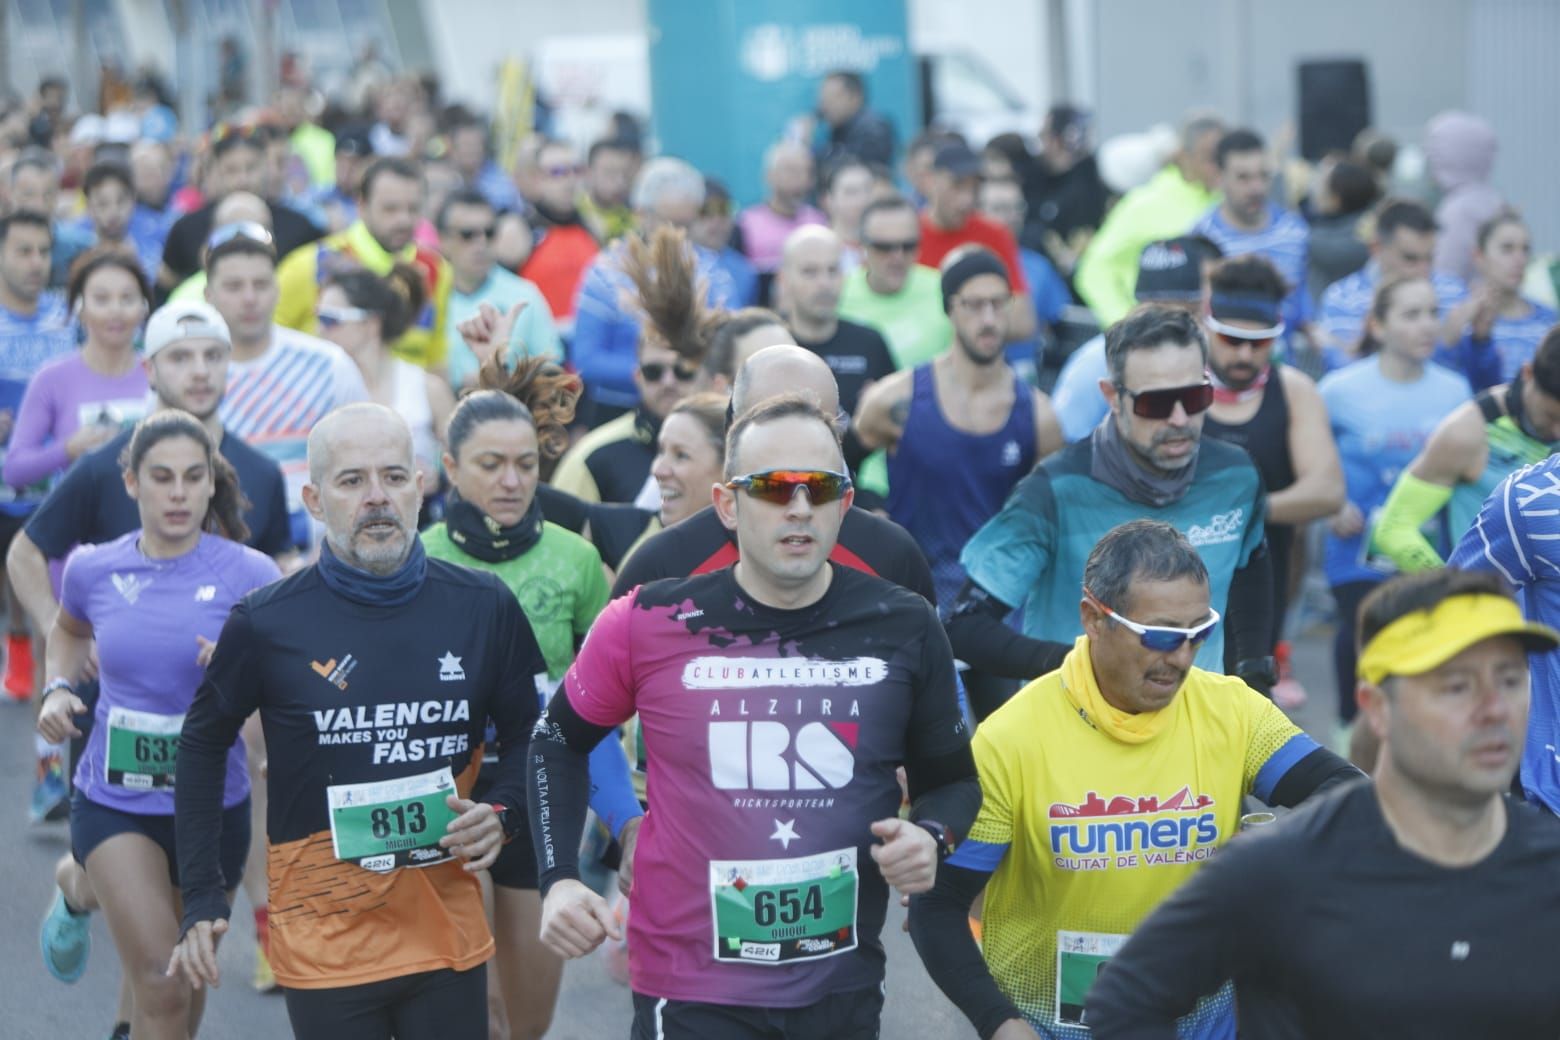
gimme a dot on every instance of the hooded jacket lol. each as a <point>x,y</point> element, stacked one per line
<point>1460,149</point>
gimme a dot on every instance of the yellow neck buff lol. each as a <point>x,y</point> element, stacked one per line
<point>1426,639</point>
<point>1084,692</point>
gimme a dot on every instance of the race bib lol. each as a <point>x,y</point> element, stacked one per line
<point>143,749</point>
<point>1080,957</point>
<point>778,911</point>
<point>395,823</point>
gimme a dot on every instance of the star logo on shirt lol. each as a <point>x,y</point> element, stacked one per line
<point>785,833</point>
<point>450,669</point>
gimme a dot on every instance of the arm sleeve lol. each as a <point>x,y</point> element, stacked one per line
<point>1197,938</point>
<point>513,706</point>
<point>58,522</point>
<point>1284,765</point>
<point>982,639</point>
<point>226,696</point>
<point>939,924</point>
<point>37,446</point>
<point>557,792</point>
<point>938,765</point>
<point>1250,606</point>
<point>1497,540</point>
<point>1397,532</point>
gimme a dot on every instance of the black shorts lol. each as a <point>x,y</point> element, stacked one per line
<point>516,863</point>
<point>430,1005</point>
<point>92,824</point>
<point>853,1015</point>
<point>10,524</point>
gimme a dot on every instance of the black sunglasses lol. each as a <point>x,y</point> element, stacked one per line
<point>655,371</point>
<point>909,245</point>
<point>1160,404</point>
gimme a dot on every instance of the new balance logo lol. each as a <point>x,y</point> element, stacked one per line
<point>129,586</point>
<point>762,756</point>
<point>205,594</point>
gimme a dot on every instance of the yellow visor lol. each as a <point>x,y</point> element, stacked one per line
<point>1426,639</point>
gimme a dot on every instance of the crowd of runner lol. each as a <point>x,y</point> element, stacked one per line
<point>394,529</point>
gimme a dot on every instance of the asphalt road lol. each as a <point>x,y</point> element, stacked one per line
<point>591,1007</point>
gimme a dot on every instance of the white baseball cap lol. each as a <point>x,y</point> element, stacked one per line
<point>175,322</point>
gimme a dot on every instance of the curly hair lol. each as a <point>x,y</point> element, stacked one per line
<point>669,294</point>
<point>548,393</point>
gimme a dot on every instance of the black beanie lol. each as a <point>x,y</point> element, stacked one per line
<point>977,261</point>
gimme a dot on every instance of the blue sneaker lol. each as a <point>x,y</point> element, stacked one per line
<point>50,796</point>
<point>65,939</point>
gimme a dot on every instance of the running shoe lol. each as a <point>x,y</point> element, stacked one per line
<point>65,939</point>
<point>18,667</point>
<point>50,796</point>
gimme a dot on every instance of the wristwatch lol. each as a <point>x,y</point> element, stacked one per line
<point>944,838</point>
<point>1260,673</point>
<point>506,819</point>
<point>59,682</point>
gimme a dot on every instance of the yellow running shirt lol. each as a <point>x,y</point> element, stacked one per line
<point>1091,817</point>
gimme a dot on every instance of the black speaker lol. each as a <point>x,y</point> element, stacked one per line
<point>1334,105</point>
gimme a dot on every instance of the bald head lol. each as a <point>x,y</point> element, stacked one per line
<point>779,370</point>
<point>810,281</point>
<point>355,425</point>
<point>810,243</point>
<point>241,206</point>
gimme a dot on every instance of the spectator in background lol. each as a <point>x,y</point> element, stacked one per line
<point>918,162</point>
<point>311,143</point>
<point>1245,221</point>
<point>1167,205</point>
<point>949,220</point>
<point>1404,246</point>
<point>892,293</point>
<point>714,230</point>
<point>668,193</point>
<point>115,221</point>
<point>788,172</point>
<point>237,164</point>
<point>35,329</point>
<point>151,169</point>
<point>854,130</point>
<point>390,203</point>
<point>1065,193</point>
<point>1002,202</point>
<point>1378,153</point>
<point>1496,317</point>
<point>1342,192</point>
<point>1460,151</point>
<point>847,188</point>
<point>35,188</point>
<point>467,223</point>
<point>393,111</point>
<point>80,401</point>
<point>468,152</point>
<point>238,208</point>
<point>48,110</point>
<point>611,166</point>
<point>333,205</point>
<point>562,246</point>
<point>807,292</point>
<point>1172,273</point>
<point>363,314</point>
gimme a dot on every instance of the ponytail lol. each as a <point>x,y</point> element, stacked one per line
<point>548,393</point>
<point>397,298</point>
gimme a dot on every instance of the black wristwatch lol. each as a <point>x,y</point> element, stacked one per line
<point>506,819</point>
<point>1260,673</point>
<point>944,838</point>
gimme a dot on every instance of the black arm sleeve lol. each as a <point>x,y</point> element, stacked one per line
<point>512,706</point>
<point>982,640</point>
<point>939,927</point>
<point>939,766</point>
<point>1195,940</point>
<point>226,696</point>
<point>1250,606</point>
<point>560,788</point>
<point>1319,771</point>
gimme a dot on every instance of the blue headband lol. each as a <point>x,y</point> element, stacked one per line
<point>1242,306</point>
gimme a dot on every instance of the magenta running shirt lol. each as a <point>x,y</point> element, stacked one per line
<point>772,739</point>
<point>145,615</point>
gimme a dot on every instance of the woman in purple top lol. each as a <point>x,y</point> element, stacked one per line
<point>154,601</point>
<point>81,401</point>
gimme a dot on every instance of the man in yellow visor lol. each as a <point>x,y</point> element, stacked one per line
<point>1422,905</point>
